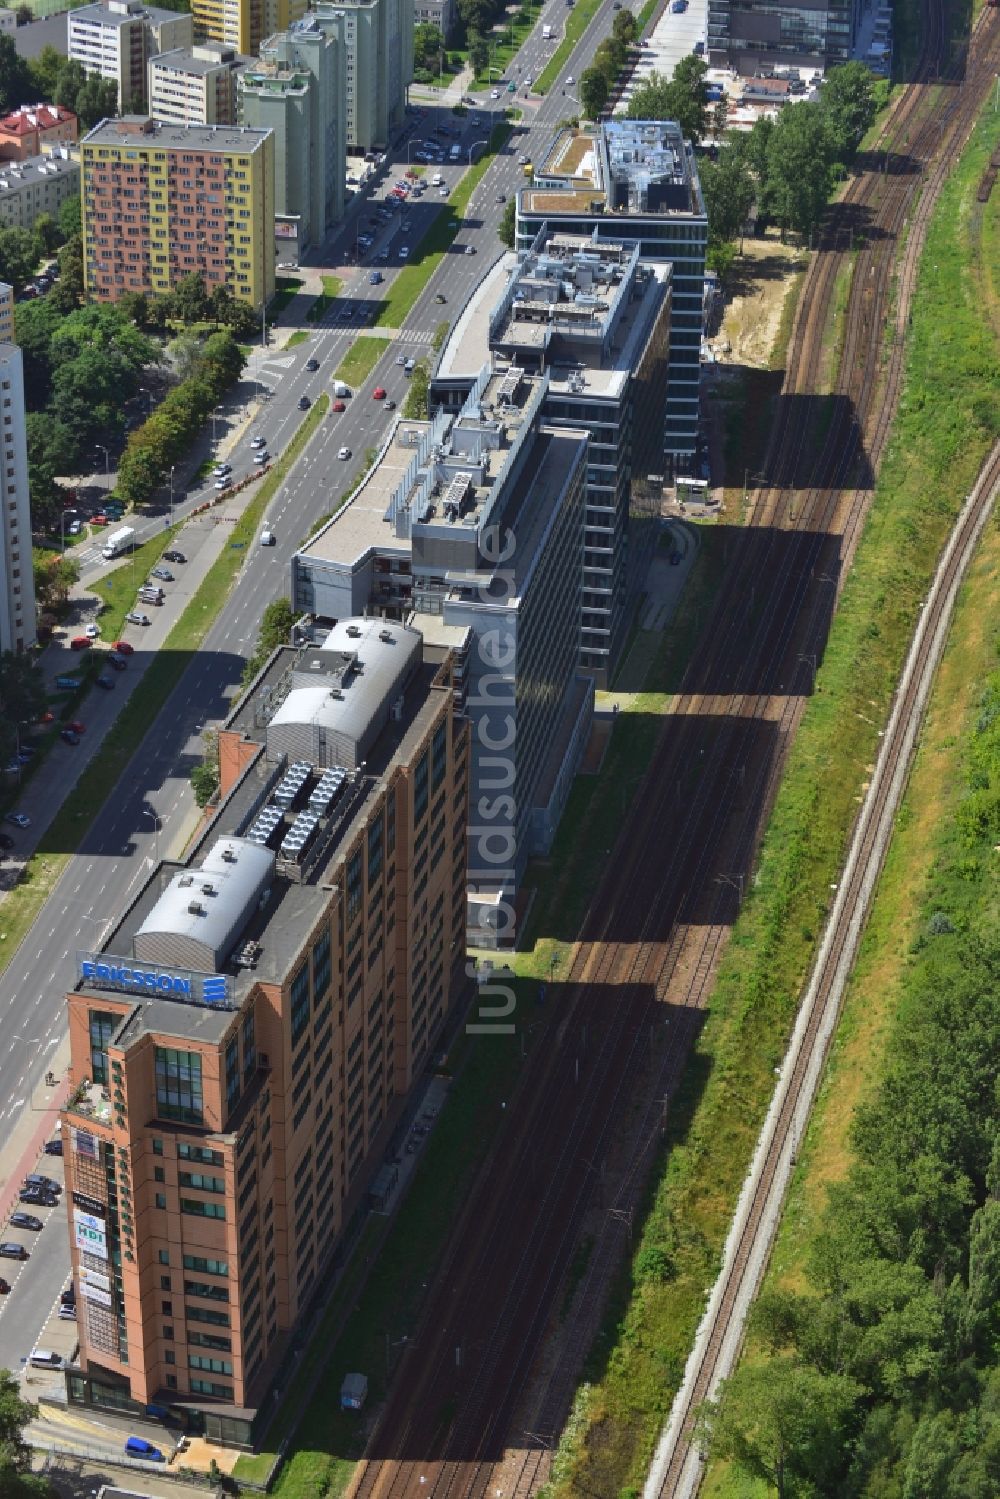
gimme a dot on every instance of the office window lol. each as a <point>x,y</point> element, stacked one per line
<point>300,1002</point>
<point>375,845</point>
<point>439,752</point>
<point>321,966</point>
<point>197,1209</point>
<point>102,1027</point>
<point>164,1256</point>
<point>354,885</point>
<point>200,1154</point>
<point>420,788</point>
<point>207,1267</point>
<point>232,1072</point>
<point>200,1182</point>
<point>249,1047</point>
<point>178,1085</point>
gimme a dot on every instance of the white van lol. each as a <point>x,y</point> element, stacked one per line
<point>437,180</point>
<point>455,152</point>
<point>267,538</point>
<point>42,1358</point>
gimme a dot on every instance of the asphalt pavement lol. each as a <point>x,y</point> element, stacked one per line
<point>152,805</point>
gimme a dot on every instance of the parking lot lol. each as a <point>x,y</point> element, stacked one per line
<point>29,1310</point>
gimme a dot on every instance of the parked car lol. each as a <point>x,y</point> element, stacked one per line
<point>222,469</point>
<point>139,1447</point>
<point>54,1147</point>
<point>135,618</point>
<point>224,483</point>
<point>12,1251</point>
<point>4,1286</point>
<point>19,819</point>
<point>26,1220</point>
<point>92,631</point>
<point>78,728</point>
<point>174,556</point>
<point>105,681</point>
<point>80,643</point>
<point>67,1314</point>
<point>69,736</point>
<point>123,648</point>
<point>67,684</point>
<point>67,1296</point>
<point>33,1197</point>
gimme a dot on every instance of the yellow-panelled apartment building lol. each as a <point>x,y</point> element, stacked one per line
<point>163,201</point>
<point>244,24</point>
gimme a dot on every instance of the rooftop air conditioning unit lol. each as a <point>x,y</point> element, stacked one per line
<point>385,635</point>
<point>185,880</point>
<point>354,631</point>
<point>229,855</point>
<point>208,889</point>
<point>195,908</point>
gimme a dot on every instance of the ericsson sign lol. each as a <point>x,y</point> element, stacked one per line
<point>101,971</point>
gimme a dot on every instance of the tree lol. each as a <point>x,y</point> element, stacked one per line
<point>22,699</point>
<point>593,90</point>
<point>847,99</point>
<point>52,452</point>
<point>729,191</point>
<point>206,776</point>
<point>48,236</point>
<point>800,159</point>
<point>96,100</point>
<point>16,83</point>
<point>782,1422</point>
<point>625,28</point>
<point>609,59</point>
<point>506,227</point>
<point>18,251</point>
<point>479,53</point>
<point>45,70</point>
<point>191,299</point>
<point>428,44</point>
<point>25,15</point>
<point>68,290</point>
<point>54,577</point>
<point>69,217</point>
<point>682,98</point>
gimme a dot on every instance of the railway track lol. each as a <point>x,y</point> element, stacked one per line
<point>642,969</point>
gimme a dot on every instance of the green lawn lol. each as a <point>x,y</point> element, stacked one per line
<point>331,289</point>
<point>286,287</point>
<point>300,336</point>
<point>117,589</point>
<point>360,359</point>
<point>412,280</point>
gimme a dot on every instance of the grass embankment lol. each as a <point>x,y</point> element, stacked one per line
<point>935,452</point>
<point>285,288</point>
<point>117,589</point>
<point>99,780</point>
<point>413,278</point>
<point>577,21</point>
<point>300,336</point>
<point>360,359</point>
<point>322,304</point>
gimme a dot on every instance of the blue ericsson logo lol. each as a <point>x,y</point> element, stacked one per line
<point>209,989</point>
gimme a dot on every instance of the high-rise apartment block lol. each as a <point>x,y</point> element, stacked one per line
<point>17,587</point>
<point>244,1041</point>
<point>163,201</point>
<point>636,180</point>
<point>244,24</point>
<point>440,13</point>
<point>116,39</point>
<point>745,33</point>
<point>194,85</point>
<point>298,91</point>
<point>6,313</point>
<point>34,128</point>
<point>470,528</point>
<point>378,37</point>
<point>596,318</point>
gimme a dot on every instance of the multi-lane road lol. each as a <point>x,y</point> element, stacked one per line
<point>152,801</point>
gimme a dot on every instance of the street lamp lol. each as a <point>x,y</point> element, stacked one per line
<point>148,812</point>
<point>409,147</point>
<point>172,466</point>
<point>107,462</point>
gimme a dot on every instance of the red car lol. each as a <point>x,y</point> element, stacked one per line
<point>337,406</point>
<point>378,394</point>
<point>98,520</point>
<point>46,718</point>
<point>80,643</point>
<point>77,726</point>
<point>123,648</point>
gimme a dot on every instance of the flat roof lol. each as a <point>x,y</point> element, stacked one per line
<point>140,130</point>
<point>361,523</point>
<point>102,15</point>
<point>35,169</point>
<point>275,929</point>
<point>640,159</point>
<point>187,59</point>
<point>603,370</point>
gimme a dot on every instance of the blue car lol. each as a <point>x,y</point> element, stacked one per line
<point>139,1447</point>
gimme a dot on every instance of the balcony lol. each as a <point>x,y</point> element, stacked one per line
<point>91,1101</point>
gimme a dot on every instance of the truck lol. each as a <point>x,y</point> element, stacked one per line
<point>339,388</point>
<point>117,543</point>
<point>546,33</point>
